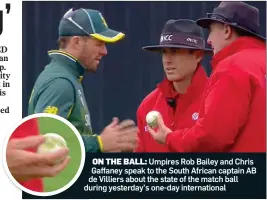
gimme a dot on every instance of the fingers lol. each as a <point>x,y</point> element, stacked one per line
<point>51,158</point>
<point>126,124</point>
<point>56,169</point>
<point>152,132</point>
<point>130,137</point>
<point>28,142</point>
<point>114,122</point>
<point>129,142</point>
<point>127,147</point>
<point>160,121</point>
<point>130,131</point>
<point>41,171</point>
<point>123,125</point>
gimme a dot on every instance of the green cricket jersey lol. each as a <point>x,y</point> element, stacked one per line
<point>58,90</point>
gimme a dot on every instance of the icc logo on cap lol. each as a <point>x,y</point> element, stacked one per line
<point>166,38</point>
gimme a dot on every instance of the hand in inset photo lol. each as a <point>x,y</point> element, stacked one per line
<point>44,154</point>
<point>25,165</point>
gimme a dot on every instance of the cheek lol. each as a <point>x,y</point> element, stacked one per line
<point>163,57</point>
<point>212,37</point>
<point>185,65</point>
<point>89,54</point>
<point>216,38</point>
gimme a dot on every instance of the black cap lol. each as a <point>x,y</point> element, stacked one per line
<point>236,14</point>
<point>182,33</point>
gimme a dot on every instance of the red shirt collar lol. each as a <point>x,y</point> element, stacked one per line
<point>236,46</point>
<point>199,78</point>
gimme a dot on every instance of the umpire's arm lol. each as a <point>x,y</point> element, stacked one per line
<point>58,97</point>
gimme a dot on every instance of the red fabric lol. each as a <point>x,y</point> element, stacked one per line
<point>182,117</point>
<point>29,128</point>
<point>232,114</point>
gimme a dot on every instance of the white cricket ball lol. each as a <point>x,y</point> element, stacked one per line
<point>152,118</point>
<point>53,142</point>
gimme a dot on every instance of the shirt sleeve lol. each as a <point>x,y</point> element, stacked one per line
<point>91,143</point>
<point>225,111</point>
<point>57,98</point>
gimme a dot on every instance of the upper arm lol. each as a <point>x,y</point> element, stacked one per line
<point>227,103</point>
<point>57,98</point>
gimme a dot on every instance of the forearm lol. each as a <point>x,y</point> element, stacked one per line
<point>190,140</point>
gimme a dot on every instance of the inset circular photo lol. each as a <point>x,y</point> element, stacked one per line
<point>44,154</point>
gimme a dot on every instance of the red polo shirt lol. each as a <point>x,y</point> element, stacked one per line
<point>178,110</point>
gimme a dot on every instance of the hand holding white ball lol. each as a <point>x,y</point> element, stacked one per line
<point>53,142</point>
<point>152,118</point>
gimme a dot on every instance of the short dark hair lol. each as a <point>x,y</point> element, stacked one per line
<point>63,42</point>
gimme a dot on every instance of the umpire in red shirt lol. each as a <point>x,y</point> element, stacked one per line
<point>232,114</point>
<point>178,96</point>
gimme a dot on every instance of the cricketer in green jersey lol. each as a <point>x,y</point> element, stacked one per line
<point>83,34</point>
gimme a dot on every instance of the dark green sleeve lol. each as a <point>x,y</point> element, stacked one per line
<point>57,98</point>
<point>91,143</point>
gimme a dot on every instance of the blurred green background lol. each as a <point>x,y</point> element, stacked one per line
<point>51,125</point>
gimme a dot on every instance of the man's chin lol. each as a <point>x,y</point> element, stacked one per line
<point>174,78</point>
<point>91,68</point>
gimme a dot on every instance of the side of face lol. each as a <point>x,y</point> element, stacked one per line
<point>179,64</point>
<point>90,51</point>
<point>219,36</point>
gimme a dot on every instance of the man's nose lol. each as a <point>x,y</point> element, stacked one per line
<point>167,56</point>
<point>209,40</point>
<point>104,50</point>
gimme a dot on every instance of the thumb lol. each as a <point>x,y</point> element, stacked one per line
<point>160,122</point>
<point>50,158</point>
<point>27,142</point>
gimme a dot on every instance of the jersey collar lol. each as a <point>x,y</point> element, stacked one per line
<point>74,65</point>
<point>237,46</point>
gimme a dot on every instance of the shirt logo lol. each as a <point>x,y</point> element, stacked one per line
<point>146,129</point>
<point>81,97</point>
<point>51,110</point>
<point>86,116</point>
<point>195,116</point>
<point>88,121</point>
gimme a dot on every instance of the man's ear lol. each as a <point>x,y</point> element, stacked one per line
<point>74,42</point>
<point>228,31</point>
